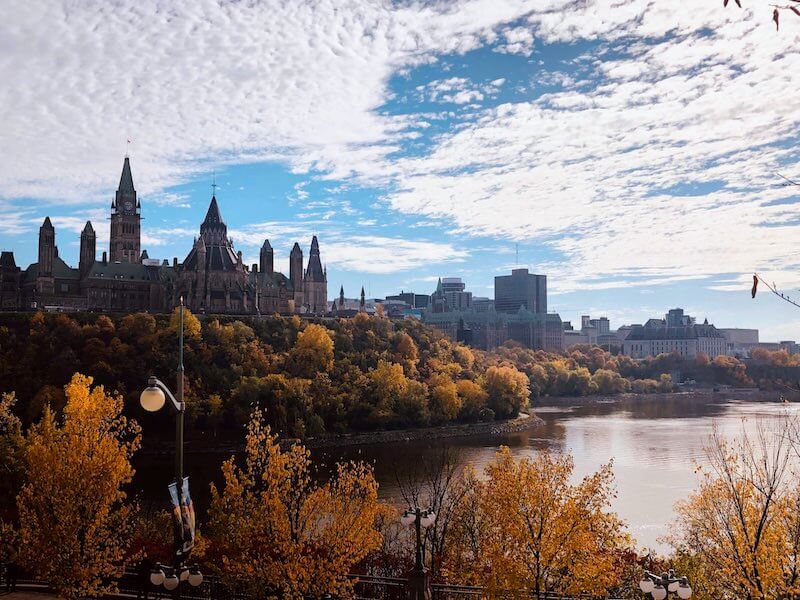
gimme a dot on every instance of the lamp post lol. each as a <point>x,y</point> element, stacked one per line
<point>659,586</point>
<point>152,399</point>
<point>419,585</point>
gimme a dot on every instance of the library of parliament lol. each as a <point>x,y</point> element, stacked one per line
<point>211,279</point>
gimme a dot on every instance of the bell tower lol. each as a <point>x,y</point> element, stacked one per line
<point>126,232</point>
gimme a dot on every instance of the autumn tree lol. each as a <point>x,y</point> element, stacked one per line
<point>12,472</point>
<point>445,401</point>
<point>526,526</point>
<point>191,324</point>
<point>312,352</point>
<point>473,398</point>
<point>74,518</point>
<point>275,530</point>
<point>507,391</point>
<point>739,533</point>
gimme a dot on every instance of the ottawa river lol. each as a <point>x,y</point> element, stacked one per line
<point>654,442</point>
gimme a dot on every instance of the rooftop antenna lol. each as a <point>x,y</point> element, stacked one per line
<point>128,149</point>
<point>516,247</point>
<point>214,185</point>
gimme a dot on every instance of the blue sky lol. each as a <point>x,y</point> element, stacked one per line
<point>628,151</point>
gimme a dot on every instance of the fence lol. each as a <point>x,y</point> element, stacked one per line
<point>365,588</point>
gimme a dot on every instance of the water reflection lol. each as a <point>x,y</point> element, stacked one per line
<point>654,445</point>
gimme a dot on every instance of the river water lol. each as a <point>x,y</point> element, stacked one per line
<point>654,442</point>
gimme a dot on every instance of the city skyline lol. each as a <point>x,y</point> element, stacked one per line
<point>398,146</point>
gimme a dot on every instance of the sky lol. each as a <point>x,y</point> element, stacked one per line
<point>628,150</point>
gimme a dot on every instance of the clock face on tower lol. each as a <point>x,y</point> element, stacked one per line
<point>128,206</point>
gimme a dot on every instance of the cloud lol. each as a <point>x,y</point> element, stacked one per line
<point>458,90</point>
<point>647,158</point>
<point>376,254</point>
<point>600,173</point>
<point>210,82</point>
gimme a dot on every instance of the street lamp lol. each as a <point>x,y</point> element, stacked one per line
<point>419,581</point>
<point>659,586</point>
<point>153,398</point>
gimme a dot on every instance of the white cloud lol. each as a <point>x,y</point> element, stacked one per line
<point>207,82</point>
<point>376,254</point>
<point>589,171</point>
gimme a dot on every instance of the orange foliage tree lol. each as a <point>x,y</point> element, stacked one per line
<point>275,530</point>
<point>526,527</point>
<point>74,520</point>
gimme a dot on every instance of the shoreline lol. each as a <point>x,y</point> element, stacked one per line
<point>520,423</point>
<point>697,394</point>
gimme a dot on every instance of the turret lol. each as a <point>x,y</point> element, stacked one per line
<point>88,249</point>
<point>47,248</point>
<point>341,297</point>
<point>362,303</point>
<point>267,259</point>
<point>296,267</point>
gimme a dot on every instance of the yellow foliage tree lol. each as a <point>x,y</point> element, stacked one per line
<point>191,324</point>
<point>74,521</point>
<point>388,385</point>
<point>526,527</point>
<point>507,390</point>
<point>312,352</point>
<point>473,398</point>
<point>739,533</point>
<point>275,530</point>
<point>445,401</point>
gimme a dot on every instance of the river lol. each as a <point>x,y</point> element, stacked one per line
<point>654,442</point>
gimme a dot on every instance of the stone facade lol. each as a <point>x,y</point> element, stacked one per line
<point>211,279</point>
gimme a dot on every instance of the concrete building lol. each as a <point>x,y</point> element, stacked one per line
<point>489,329</point>
<point>450,295</point>
<point>521,289</point>
<point>480,323</point>
<point>740,341</point>
<point>411,299</point>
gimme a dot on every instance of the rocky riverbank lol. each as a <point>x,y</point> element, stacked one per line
<point>522,422</point>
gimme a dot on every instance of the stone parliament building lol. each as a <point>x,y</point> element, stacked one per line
<point>211,279</point>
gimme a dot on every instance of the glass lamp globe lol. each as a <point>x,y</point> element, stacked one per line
<point>659,592</point>
<point>646,585</point>
<point>184,575</point>
<point>157,577</point>
<point>195,577</point>
<point>152,399</point>
<point>407,518</point>
<point>673,586</point>
<point>427,520</point>
<point>684,591</point>
<point>171,582</point>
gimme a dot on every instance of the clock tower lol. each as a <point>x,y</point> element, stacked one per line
<point>126,231</point>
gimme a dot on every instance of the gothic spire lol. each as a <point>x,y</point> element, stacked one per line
<point>213,216</point>
<point>126,180</point>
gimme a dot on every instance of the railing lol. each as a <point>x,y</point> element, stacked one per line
<point>365,587</point>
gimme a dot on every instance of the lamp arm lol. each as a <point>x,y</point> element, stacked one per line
<point>178,407</point>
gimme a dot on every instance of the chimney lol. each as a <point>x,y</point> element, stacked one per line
<point>105,257</point>
<point>255,267</point>
<point>174,262</point>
